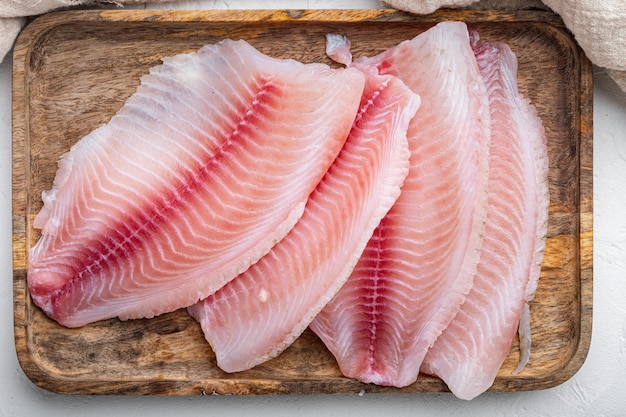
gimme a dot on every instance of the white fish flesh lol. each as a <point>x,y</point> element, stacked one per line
<point>420,263</point>
<point>258,314</point>
<point>470,352</point>
<point>201,172</point>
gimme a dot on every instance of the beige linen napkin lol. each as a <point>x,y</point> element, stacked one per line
<point>9,29</point>
<point>598,26</point>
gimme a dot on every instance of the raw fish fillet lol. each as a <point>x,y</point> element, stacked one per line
<point>469,353</point>
<point>421,260</point>
<point>201,172</point>
<point>338,48</point>
<point>261,312</point>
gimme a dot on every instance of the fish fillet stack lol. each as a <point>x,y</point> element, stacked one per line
<point>397,206</point>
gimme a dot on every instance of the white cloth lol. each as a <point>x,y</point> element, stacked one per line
<point>599,28</point>
<point>9,29</point>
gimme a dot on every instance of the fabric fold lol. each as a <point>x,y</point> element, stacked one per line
<point>10,27</point>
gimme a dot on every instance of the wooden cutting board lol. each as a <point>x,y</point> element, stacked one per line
<point>74,70</point>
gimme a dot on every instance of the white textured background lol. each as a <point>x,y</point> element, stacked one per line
<point>598,389</point>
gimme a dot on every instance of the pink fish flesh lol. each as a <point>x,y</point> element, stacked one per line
<point>201,172</point>
<point>470,352</point>
<point>258,314</point>
<point>420,263</point>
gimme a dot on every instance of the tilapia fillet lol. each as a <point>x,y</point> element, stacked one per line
<point>470,352</point>
<point>262,311</point>
<point>421,260</point>
<point>200,173</point>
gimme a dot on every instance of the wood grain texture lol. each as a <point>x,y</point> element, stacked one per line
<point>74,70</point>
